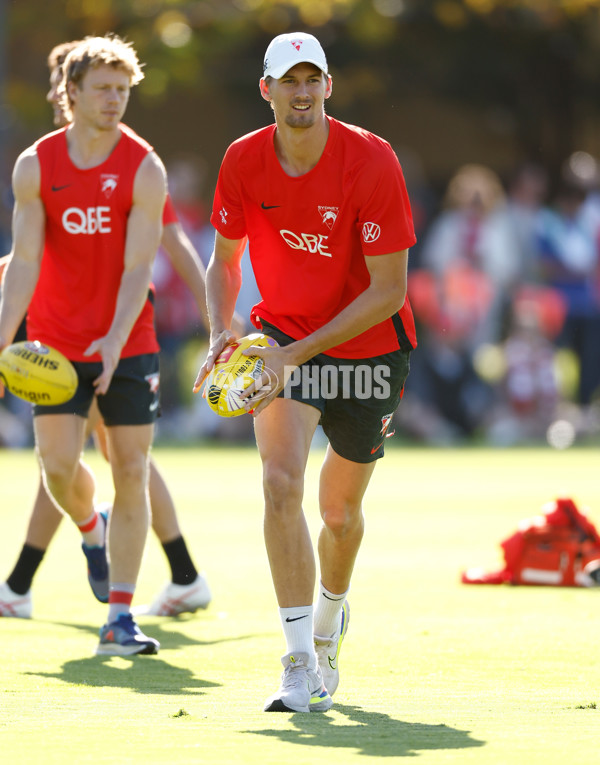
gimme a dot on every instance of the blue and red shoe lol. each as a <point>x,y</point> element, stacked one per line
<point>124,638</point>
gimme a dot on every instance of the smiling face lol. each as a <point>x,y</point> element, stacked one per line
<point>297,98</point>
<point>101,97</point>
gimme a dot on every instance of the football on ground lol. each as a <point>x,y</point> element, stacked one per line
<point>37,373</point>
<point>233,373</point>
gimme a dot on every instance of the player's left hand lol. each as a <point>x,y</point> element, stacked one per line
<point>277,371</point>
<point>110,351</point>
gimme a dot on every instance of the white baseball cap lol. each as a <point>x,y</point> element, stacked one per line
<point>285,51</point>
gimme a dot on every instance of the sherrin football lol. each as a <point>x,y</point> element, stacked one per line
<point>232,373</point>
<point>38,373</point>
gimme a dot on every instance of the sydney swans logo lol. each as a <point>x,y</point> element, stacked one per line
<point>328,215</point>
<point>108,184</point>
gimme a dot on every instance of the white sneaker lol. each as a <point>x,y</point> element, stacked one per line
<point>302,688</point>
<point>178,598</point>
<point>11,604</point>
<point>328,652</point>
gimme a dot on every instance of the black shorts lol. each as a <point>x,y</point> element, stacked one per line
<point>21,333</point>
<point>131,399</point>
<point>356,397</point>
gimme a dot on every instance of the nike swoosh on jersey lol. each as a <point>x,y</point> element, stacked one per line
<point>268,207</point>
<point>60,188</point>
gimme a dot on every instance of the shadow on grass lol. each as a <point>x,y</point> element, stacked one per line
<point>370,733</point>
<point>141,674</point>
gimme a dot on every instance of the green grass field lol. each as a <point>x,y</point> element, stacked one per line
<point>431,669</point>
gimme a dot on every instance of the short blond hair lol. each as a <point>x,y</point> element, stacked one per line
<point>58,54</point>
<point>91,52</point>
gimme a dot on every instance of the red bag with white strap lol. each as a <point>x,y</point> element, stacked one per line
<point>560,548</point>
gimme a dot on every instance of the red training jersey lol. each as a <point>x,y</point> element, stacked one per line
<point>309,235</point>
<point>169,212</point>
<point>83,260</point>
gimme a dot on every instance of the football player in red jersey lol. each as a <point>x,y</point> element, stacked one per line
<point>188,589</point>
<point>87,223</point>
<point>324,209</point>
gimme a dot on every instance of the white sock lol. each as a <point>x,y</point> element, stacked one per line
<point>297,626</point>
<point>120,595</point>
<point>328,611</point>
<point>92,530</point>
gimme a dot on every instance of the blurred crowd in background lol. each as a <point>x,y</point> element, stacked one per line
<point>505,286</point>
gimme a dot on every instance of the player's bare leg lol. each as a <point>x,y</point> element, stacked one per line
<point>164,518</point>
<point>70,483</point>
<point>188,589</point>
<point>284,432</point>
<point>97,430</point>
<point>59,440</point>
<point>44,520</point>
<point>45,517</point>
<point>129,449</point>
<point>341,491</point>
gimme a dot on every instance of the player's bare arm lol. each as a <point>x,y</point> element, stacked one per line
<point>190,268</point>
<point>144,230</point>
<point>384,296</point>
<point>187,264</point>
<point>22,271</point>
<point>223,282</point>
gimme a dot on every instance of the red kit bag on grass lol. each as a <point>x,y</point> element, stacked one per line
<point>560,548</point>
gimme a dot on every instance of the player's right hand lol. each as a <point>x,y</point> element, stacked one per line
<point>217,345</point>
<point>110,351</point>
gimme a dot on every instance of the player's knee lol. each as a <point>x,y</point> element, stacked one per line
<point>130,473</point>
<point>59,470</point>
<point>342,519</point>
<point>283,487</point>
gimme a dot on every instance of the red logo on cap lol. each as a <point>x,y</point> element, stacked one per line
<point>297,44</point>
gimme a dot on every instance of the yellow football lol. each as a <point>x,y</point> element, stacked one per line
<point>233,373</point>
<point>37,373</point>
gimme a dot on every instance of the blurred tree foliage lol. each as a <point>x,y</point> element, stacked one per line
<point>503,79</point>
